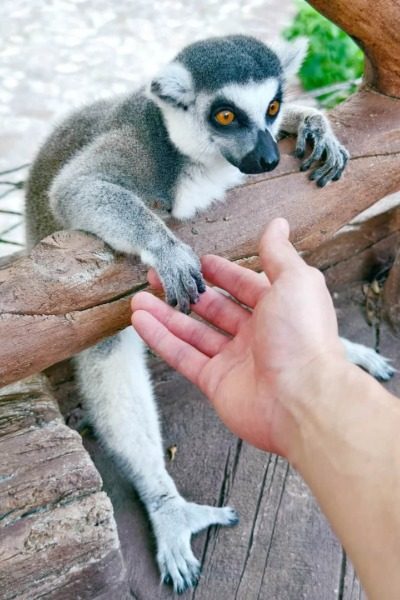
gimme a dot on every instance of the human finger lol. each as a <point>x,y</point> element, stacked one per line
<point>276,252</point>
<point>197,334</point>
<point>180,355</point>
<point>216,308</point>
<point>220,311</point>
<point>241,283</point>
<point>154,280</point>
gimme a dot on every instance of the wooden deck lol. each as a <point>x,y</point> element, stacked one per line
<point>283,548</point>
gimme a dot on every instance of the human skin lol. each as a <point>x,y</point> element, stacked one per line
<point>276,374</point>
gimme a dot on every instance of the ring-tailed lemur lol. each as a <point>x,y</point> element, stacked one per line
<point>116,169</point>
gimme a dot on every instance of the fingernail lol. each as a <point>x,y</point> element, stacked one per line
<point>282,226</point>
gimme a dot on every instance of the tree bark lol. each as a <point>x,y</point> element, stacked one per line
<point>375,27</point>
<point>391,295</point>
<point>58,537</point>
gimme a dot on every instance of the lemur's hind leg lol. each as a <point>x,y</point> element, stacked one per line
<point>121,407</point>
<point>368,359</point>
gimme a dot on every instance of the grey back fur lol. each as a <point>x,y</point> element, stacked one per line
<point>150,166</point>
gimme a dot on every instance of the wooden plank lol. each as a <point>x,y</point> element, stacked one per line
<point>283,548</point>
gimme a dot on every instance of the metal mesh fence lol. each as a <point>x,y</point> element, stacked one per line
<point>11,209</point>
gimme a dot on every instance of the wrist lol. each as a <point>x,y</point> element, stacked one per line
<point>346,447</point>
<point>344,419</point>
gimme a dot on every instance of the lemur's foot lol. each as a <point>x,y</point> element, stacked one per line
<point>317,129</point>
<point>378,366</point>
<point>174,524</point>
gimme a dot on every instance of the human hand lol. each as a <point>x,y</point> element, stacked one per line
<point>265,351</point>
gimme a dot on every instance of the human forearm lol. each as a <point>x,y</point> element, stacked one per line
<point>346,448</point>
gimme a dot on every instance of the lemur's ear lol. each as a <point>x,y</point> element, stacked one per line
<point>292,55</point>
<point>174,85</point>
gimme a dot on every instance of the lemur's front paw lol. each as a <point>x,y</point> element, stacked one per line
<point>180,272</point>
<point>174,524</point>
<point>317,129</point>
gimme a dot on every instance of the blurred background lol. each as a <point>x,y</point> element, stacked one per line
<point>59,54</point>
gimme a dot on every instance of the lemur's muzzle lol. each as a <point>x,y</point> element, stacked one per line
<point>263,157</point>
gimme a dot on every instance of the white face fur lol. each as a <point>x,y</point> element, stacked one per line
<point>187,112</point>
<point>216,153</point>
<point>190,130</point>
<point>209,175</point>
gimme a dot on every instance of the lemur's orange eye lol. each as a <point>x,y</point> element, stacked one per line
<point>225,117</point>
<point>273,108</point>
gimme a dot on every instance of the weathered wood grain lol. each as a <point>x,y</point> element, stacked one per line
<point>375,29</point>
<point>391,295</point>
<point>70,551</point>
<point>71,291</point>
<point>58,536</point>
<point>361,252</point>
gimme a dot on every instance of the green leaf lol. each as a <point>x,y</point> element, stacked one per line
<point>333,57</point>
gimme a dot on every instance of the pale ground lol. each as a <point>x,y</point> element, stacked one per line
<point>58,55</point>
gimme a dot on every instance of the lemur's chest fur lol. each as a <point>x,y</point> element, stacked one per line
<point>199,185</point>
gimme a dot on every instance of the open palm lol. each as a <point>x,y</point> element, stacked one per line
<point>260,344</point>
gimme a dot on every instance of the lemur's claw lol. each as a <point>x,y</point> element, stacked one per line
<point>175,523</point>
<point>299,152</point>
<point>326,147</point>
<point>180,272</point>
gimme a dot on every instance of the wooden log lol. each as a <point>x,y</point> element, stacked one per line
<point>375,27</point>
<point>391,295</point>
<point>58,538</point>
<point>361,252</point>
<point>72,291</point>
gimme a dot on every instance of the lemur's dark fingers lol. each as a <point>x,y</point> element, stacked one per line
<point>332,166</point>
<point>345,156</point>
<point>323,174</point>
<point>169,290</point>
<point>189,287</point>
<point>315,155</point>
<point>184,304</point>
<point>301,144</point>
<point>186,293</point>
<point>322,181</point>
<point>197,276</point>
<point>171,299</point>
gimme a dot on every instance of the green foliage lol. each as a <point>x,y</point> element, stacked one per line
<point>332,58</point>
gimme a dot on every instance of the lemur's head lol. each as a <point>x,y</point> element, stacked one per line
<point>223,96</point>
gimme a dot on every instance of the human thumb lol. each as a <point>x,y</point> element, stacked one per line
<point>276,252</point>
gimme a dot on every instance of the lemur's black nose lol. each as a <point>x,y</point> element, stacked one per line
<point>263,157</point>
